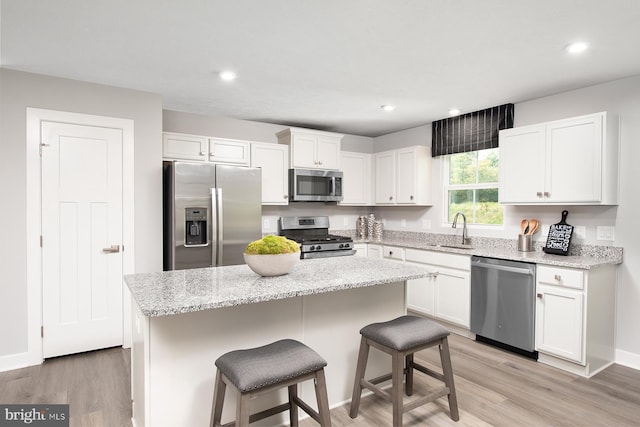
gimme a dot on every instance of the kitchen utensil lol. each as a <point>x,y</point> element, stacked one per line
<point>524,225</point>
<point>534,225</point>
<point>559,238</point>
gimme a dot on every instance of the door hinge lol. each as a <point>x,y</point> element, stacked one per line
<point>43,145</point>
<point>40,241</point>
<point>41,331</point>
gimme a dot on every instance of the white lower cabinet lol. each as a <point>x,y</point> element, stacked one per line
<point>361,249</point>
<point>446,293</point>
<point>575,318</point>
<point>559,322</point>
<point>374,251</point>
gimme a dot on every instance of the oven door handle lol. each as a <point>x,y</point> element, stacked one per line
<point>502,268</point>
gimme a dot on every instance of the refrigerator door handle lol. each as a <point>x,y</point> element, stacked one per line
<point>219,224</point>
<point>214,227</point>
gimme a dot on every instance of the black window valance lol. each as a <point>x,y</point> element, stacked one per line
<point>470,131</point>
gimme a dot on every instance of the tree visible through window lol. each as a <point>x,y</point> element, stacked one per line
<point>472,187</point>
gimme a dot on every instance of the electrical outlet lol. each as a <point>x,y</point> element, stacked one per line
<point>266,224</point>
<point>605,233</point>
<point>403,223</point>
<point>581,232</point>
<point>426,224</point>
<point>345,221</point>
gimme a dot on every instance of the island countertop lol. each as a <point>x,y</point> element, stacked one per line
<point>184,291</point>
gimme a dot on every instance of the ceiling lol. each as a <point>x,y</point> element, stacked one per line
<point>326,64</point>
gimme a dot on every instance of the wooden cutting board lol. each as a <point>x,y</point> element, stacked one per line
<point>559,237</point>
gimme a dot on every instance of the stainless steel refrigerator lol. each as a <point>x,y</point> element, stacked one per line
<point>211,212</point>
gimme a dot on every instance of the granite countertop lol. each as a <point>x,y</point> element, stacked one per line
<point>583,257</point>
<point>184,291</point>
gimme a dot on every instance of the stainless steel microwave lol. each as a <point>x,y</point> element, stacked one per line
<point>314,185</point>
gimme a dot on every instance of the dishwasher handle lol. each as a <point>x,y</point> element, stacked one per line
<point>528,271</point>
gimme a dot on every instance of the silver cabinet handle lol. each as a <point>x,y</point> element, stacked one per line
<point>114,249</point>
<point>558,277</point>
<point>539,295</point>
<point>212,154</point>
<point>202,153</point>
<point>547,194</point>
<point>539,194</point>
<point>286,197</point>
<point>390,197</point>
<point>410,197</point>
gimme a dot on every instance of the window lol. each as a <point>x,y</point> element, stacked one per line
<point>471,187</point>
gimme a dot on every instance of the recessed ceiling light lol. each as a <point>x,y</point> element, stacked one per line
<point>388,107</point>
<point>577,47</point>
<point>454,112</point>
<point>228,75</point>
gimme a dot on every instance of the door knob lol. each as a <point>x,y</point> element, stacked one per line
<point>111,250</point>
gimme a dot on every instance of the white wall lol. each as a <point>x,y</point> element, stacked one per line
<point>20,90</point>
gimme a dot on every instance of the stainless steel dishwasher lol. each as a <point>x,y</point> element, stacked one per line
<point>503,303</point>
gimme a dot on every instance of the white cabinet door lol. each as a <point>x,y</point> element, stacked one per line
<point>407,174</point>
<point>361,249</point>
<point>522,164</point>
<point>273,159</point>
<point>223,150</point>
<point>177,146</point>
<point>356,178</point>
<point>452,295</point>
<point>374,251</point>
<point>385,171</point>
<point>574,160</point>
<point>328,153</point>
<point>420,295</point>
<point>559,322</point>
<point>303,151</point>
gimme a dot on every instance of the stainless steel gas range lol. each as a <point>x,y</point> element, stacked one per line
<point>312,233</point>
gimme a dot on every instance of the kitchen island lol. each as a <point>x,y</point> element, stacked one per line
<point>184,320</point>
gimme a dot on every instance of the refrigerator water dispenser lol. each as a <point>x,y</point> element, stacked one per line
<point>195,227</point>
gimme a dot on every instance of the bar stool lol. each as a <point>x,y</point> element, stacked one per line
<point>259,370</point>
<point>401,338</point>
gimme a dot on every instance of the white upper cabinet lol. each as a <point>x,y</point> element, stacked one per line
<point>180,146</point>
<point>356,178</point>
<point>403,176</point>
<point>232,151</point>
<point>572,161</point>
<point>273,159</point>
<point>310,149</point>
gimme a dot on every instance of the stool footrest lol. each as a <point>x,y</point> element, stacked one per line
<point>425,399</point>
<point>427,371</point>
<point>308,409</point>
<point>380,379</point>
<point>375,389</point>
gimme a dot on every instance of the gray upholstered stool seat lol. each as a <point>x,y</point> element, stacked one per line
<point>405,332</point>
<point>253,371</point>
<point>401,338</point>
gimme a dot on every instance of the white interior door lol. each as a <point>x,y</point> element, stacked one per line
<point>82,237</point>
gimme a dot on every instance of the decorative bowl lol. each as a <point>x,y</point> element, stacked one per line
<point>272,264</point>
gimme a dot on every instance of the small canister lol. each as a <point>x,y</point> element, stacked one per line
<point>377,230</point>
<point>371,219</point>
<point>361,227</point>
<point>525,242</point>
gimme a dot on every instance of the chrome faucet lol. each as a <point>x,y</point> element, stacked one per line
<point>464,226</point>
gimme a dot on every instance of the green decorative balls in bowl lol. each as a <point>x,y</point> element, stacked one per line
<point>272,255</point>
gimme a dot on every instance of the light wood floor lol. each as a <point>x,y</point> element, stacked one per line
<point>494,388</point>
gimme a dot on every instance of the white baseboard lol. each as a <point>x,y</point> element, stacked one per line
<point>17,361</point>
<point>628,359</point>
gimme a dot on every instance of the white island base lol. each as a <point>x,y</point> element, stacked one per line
<point>173,356</point>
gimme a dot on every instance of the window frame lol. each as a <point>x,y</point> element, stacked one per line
<point>476,186</point>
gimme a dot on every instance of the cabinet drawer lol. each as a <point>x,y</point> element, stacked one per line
<point>393,252</point>
<point>459,262</point>
<point>560,277</point>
